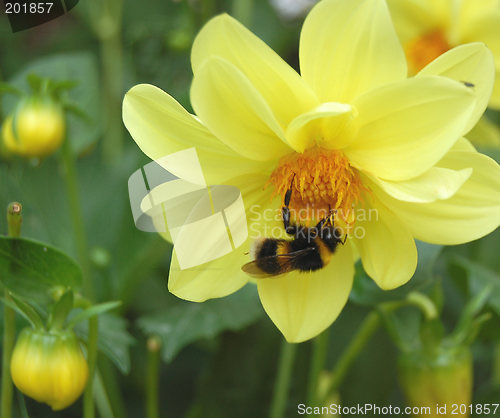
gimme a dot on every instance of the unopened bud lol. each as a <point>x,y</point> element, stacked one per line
<point>36,129</point>
<point>442,378</point>
<point>49,367</point>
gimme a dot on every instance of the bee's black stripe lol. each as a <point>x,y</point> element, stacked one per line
<point>265,254</point>
<point>309,261</point>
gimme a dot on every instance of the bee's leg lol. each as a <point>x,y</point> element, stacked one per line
<point>285,212</point>
<point>344,240</point>
<point>319,226</point>
<point>318,229</point>
<point>289,228</point>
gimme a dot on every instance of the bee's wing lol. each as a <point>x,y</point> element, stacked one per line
<point>285,261</point>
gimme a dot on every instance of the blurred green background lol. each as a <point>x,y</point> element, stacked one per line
<point>219,359</point>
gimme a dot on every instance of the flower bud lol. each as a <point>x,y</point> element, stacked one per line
<point>49,367</point>
<point>36,129</point>
<point>437,379</point>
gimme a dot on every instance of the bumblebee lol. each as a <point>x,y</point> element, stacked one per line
<point>310,249</point>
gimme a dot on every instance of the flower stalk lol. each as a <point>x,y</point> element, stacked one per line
<point>106,22</point>
<point>282,384</point>
<point>14,221</point>
<point>68,161</point>
<point>153,377</point>
<point>320,348</point>
<point>365,331</point>
<point>88,397</point>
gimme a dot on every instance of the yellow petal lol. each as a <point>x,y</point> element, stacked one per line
<point>484,28</point>
<point>349,47</point>
<point>471,63</point>
<point>485,133</point>
<point>412,18</point>
<point>302,305</point>
<point>161,126</point>
<point>469,214</point>
<point>435,184</point>
<point>280,86</point>
<point>215,279</point>
<point>386,246</point>
<point>236,112</point>
<point>223,275</point>
<point>325,126</point>
<point>473,8</point>
<point>406,127</point>
<point>463,144</point>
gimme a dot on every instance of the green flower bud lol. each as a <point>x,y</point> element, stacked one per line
<point>49,367</point>
<point>36,129</point>
<point>441,377</point>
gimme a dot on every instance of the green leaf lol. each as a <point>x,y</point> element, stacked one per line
<point>7,88</point>
<point>60,86</point>
<point>79,69</point>
<point>366,292</point>
<point>32,269</point>
<point>479,278</point>
<point>35,82</point>
<point>77,111</point>
<point>186,322</point>
<point>114,340</point>
<point>25,310</point>
<point>60,311</point>
<point>92,311</point>
<point>403,326</point>
<point>467,324</point>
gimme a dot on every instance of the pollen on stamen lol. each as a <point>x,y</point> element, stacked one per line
<point>323,180</point>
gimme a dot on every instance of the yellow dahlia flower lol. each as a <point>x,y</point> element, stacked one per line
<point>354,133</point>
<point>428,28</point>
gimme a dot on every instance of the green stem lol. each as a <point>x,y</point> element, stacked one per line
<point>88,397</point>
<point>111,386</point>
<point>152,378</point>
<point>14,220</point>
<point>424,303</point>
<point>282,384</point>
<point>105,18</point>
<point>243,11</point>
<point>365,332</point>
<point>208,9</point>
<point>9,331</point>
<point>320,346</point>
<point>112,66</point>
<point>368,327</point>
<point>70,178</point>
<point>496,365</point>
<point>102,401</point>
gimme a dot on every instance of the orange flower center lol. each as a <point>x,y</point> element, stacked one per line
<point>321,180</point>
<point>426,48</point>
